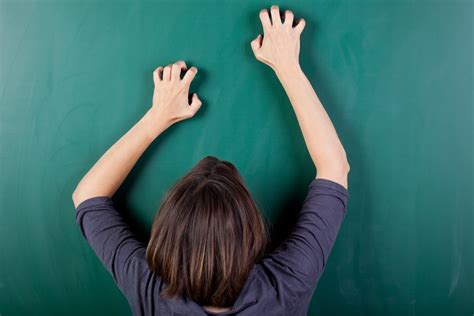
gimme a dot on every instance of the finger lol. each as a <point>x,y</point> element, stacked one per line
<point>181,64</point>
<point>265,19</point>
<point>195,104</point>
<point>189,75</point>
<point>299,27</point>
<point>167,73</point>
<point>157,74</point>
<point>256,43</point>
<point>182,67</point>
<point>175,72</point>
<point>275,11</point>
<point>289,16</point>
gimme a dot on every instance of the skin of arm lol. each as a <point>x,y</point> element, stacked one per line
<point>170,105</point>
<point>279,48</point>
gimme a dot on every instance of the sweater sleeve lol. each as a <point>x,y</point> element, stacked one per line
<point>295,267</point>
<point>116,246</point>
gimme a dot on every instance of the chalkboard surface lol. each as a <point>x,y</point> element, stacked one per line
<point>395,76</point>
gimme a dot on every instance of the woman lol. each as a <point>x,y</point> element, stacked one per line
<point>206,251</point>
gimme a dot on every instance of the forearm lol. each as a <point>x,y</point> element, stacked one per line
<point>279,48</point>
<point>108,173</point>
<point>318,131</point>
<point>170,105</point>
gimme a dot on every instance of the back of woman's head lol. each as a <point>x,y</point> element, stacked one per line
<point>207,235</point>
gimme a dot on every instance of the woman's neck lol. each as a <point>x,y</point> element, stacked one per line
<point>213,309</point>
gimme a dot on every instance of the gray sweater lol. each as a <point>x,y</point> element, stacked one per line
<point>280,284</point>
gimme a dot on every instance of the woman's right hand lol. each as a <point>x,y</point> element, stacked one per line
<point>279,47</point>
<point>170,97</point>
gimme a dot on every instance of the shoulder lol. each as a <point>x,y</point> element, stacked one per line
<point>277,290</point>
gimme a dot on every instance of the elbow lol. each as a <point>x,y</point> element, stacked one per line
<point>345,167</point>
<point>341,166</point>
<point>336,168</point>
<point>75,198</point>
<point>338,165</point>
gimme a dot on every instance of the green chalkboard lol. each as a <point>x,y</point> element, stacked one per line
<point>395,76</point>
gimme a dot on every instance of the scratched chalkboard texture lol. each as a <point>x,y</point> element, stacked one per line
<point>395,76</point>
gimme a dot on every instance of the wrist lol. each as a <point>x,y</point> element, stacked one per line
<point>290,69</point>
<point>154,123</point>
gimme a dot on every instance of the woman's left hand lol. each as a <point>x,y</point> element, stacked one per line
<point>170,97</point>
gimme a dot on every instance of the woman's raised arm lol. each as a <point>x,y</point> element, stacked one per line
<point>279,48</point>
<point>170,105</point>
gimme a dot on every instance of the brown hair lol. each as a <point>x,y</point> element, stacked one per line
<point>207,235</point>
